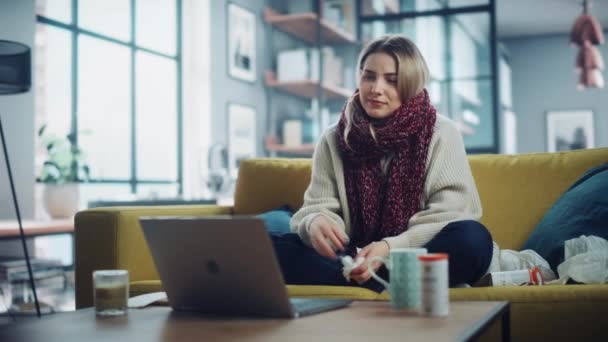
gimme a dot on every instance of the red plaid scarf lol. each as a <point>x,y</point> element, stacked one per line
<point>382,206</point>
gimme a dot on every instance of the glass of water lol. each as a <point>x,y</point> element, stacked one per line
<point>111,292</point>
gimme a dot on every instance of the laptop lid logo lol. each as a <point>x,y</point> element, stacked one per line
<point>213,267</point>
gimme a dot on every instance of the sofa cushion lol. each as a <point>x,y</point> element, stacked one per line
<point>277,221</point>
<point>514,294</point>
<point>581,210</point>
<point>267,183</point>
<point>517,190</point>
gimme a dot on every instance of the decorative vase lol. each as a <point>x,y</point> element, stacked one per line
<point>61,200</point>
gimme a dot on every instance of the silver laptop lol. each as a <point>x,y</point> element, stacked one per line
<point>223,265</point>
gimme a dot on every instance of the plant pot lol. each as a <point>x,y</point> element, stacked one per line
<point>61,200</point>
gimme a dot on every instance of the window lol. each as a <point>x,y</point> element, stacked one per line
<point>108,71</point>
<point>455,37</point>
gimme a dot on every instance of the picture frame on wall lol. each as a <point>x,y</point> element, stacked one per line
<point>241,43</point>
<point>570,130</point>
<point>241,135</point>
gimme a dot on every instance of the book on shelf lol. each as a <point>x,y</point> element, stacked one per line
<point>303,64</point>
<point>15,269</point>
<point>340,13</point>
<point>49,277</point>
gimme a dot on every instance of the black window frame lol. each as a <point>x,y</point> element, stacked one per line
<point>445,12</point>
<point>75,30</point>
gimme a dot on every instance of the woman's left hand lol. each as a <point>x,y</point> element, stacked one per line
<point>361,274</point>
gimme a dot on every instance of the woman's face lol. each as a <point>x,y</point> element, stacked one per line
<point>378,86</point>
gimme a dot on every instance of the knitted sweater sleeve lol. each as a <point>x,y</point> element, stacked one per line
<point>321,196</point>
<point>449,192</point>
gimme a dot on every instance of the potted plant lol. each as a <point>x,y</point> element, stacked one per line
<point>62,171</point>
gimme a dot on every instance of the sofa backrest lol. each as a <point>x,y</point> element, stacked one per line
<point>515,190</point>
<point>268,183</point>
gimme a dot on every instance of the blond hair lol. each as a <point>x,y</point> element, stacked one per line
<point>412,73</point>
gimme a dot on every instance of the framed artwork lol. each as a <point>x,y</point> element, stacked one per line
<point>241,43</point>
<point>570,130</point>
<point>241,136</point>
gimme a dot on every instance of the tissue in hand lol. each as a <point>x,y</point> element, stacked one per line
<point>349,265</point>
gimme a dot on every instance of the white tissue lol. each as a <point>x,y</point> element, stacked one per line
<point>349,265</point>
<point>144,300</point>
<point>586,260</point>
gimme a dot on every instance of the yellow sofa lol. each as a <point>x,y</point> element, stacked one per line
<point>516,191</point>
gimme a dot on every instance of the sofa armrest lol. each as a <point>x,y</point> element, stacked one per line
<point>111,238</point>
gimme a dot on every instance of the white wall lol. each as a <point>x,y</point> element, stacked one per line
<point>544,79</point>
<point>226,89</point>
<point>196,95</point>
<point>17,23</point>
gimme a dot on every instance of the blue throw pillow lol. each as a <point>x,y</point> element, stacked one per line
<point>277,220</point>
<point>581,210</point>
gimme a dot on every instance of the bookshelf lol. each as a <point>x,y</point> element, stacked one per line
<point>308,89</point>
<point>9,229</point>
<point>303,150</point>
<point>274,146</point>
<point>305,26</point>
<point>313,46</point>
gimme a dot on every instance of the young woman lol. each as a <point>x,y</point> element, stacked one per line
<point>392,173</point>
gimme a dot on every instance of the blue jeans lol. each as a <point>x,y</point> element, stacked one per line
<point>468,243</point>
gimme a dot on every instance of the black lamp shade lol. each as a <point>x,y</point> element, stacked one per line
<point>15,68</point>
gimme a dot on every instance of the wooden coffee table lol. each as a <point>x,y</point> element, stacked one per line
<point>362,321</point>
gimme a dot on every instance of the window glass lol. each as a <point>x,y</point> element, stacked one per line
<point>421,5</point>
<point>429,36</point>
<point>458,53</point>
<point>474,115</point>
<point>107,17</point>
<point>156,25</point>
<point>470,45</point>
<point>464,3</point>
<point>104,107</point>
<point>156,105</point>
<point>428,33</point>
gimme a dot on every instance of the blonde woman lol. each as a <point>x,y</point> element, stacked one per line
<point>392,173</point>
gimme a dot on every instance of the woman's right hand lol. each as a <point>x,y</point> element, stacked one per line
<point>322,231</point>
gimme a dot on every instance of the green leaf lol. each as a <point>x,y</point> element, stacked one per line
<point>65,159</point>
<point>41,130</point>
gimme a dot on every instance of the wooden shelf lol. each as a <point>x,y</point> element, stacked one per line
<point>304,26</point>
<point>273,145</point>
<point>308,88</point>
<point>304,150</point>
<point>10,229</point>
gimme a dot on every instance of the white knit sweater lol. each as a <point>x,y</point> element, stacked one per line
<point>449,191</point>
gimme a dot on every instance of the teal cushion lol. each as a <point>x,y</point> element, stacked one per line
<point>277,221</point>
<point>581,210</point>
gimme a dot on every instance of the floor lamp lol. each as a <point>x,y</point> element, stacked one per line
<point>15,78</point>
